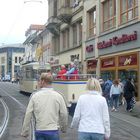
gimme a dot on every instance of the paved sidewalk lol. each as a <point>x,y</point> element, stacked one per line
<point>135,112</point>
<point>131,118</point>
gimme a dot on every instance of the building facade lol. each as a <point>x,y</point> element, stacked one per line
<point>112,39</point>
<point>10,57</point>
<point>65,24</point>
<point>102,35</point>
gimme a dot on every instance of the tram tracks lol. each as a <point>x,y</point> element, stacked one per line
<point>5,118</point>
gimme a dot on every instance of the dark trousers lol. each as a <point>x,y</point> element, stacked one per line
<point>41,136</point>
<point>128,103</point>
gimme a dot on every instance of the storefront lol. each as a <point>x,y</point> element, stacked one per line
<point>119,54</point>
<point>121,67</point>
<point>91,62</point>
<point>108,68</point>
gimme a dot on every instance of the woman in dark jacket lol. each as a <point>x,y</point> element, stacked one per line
<point>129,90</point>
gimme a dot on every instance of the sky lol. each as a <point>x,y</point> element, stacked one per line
<point>17,15</point>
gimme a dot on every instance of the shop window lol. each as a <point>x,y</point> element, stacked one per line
<point>109,14</point>
<point>105,75</point>
<point>124,74</point>
<point>92,22</point>
<point>129,10</point>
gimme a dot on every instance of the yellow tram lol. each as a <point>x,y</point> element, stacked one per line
<point>29,75</point>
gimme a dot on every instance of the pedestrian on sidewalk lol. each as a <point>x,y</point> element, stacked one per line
<point>121,98</point>
<point>47,107</point>
<point>129,91</point>
<point>115,95</point>
<point>91,114</point>
<point>106,90</point>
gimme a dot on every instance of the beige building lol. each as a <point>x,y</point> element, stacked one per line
<point>65,24</point>
<point>33,43</point>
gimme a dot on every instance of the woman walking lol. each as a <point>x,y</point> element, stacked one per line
<point>91,114</point>
<point>115,92</point>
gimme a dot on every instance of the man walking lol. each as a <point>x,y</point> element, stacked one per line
<point>49,110</point>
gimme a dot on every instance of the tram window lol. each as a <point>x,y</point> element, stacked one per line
<point>29,73</point>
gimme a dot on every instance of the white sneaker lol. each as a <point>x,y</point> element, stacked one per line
<point>113,109</point>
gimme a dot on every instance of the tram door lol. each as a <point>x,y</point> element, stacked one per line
<point>124,74</point>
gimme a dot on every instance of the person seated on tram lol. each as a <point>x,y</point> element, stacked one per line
<point>73,72</point>
<point>62,73</point>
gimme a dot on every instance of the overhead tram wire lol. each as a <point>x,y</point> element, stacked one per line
<point>26,1</point>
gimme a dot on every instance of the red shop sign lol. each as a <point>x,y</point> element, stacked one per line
<point>110,62</point>
<point>89,48</point>
<point>91,63</point>
<point>128,60</point>
<point>117,40</point>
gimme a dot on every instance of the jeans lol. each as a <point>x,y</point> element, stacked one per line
<point>40,136</point>
<point>128,103</point>
<point>90,136</point>
<point>115,101</point>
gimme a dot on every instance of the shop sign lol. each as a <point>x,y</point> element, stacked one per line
<point>91,63</point>
<point>117,40</point>
<point>128,60</point>
<point>73,57</point>
<point>89,48</point>
<point>110,62</point>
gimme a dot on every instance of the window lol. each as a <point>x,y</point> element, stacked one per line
<point>67,3</point>
<point>19,59</point>
<point>15,59</point>
<point>74,35</point>
<point>67,38</point>
<point>109,14</point>
<point>92,22</point>
<point>2,60</point>
<point>55,8</point>
<point>64,39</point>
<point>129,10</point>
<point>80,32</point>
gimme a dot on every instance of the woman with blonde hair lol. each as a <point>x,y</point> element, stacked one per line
<point>91,114</point>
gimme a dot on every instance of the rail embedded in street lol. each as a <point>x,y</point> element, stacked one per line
<point>5,119</point>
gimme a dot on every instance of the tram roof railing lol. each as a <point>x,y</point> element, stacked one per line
<point>75,76</point>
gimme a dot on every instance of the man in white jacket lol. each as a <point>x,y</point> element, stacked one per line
<point>49,110</point>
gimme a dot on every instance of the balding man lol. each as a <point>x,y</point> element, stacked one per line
<point>49,108</point>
